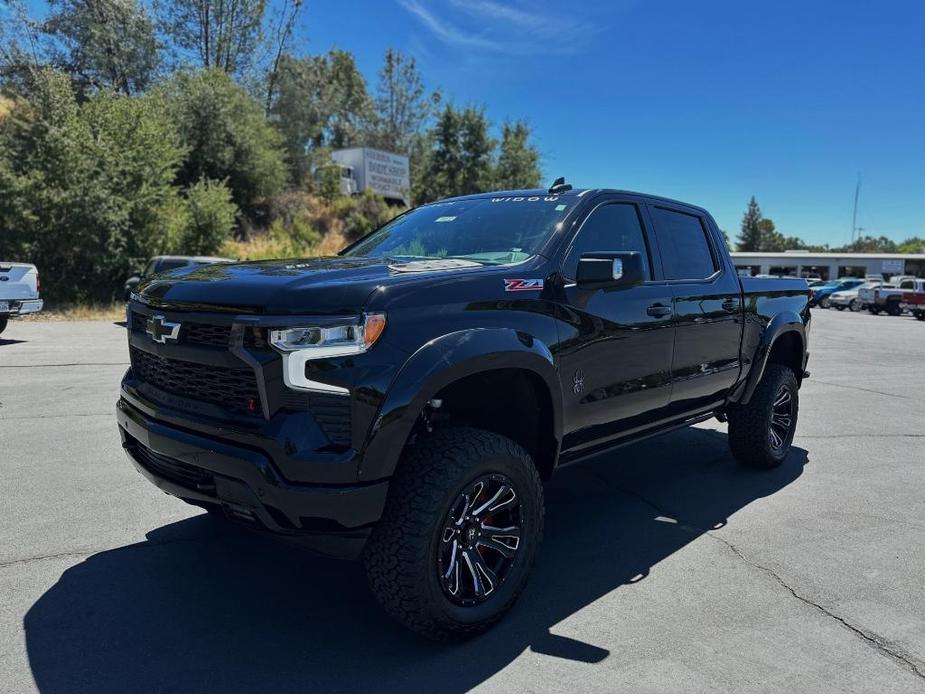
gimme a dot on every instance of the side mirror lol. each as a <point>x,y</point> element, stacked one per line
<point>596,270</point>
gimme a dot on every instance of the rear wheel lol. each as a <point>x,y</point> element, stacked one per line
<point>761,432</point>
<point>825,303</point>
<point>893,308</point>
<point>874,310</point>
<point>456,542</point>
<point>920,315</point>
<point>3,322</point>
<point>855,305</point>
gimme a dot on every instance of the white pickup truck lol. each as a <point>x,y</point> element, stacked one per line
<point>19,291</point>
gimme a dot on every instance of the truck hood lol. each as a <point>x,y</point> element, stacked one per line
<point>336,285</point>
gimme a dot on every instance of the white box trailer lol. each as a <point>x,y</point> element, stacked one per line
<point>384,173</point>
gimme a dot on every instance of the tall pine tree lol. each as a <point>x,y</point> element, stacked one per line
<point>751,234</point>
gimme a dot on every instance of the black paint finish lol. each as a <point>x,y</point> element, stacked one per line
<point>616,363</point>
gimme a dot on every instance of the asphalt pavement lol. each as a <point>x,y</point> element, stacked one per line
<point>665,566</point>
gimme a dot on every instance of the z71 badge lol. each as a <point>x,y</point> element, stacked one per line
<point>523,285</point>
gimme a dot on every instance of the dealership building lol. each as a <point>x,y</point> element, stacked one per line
<point>829,265</point>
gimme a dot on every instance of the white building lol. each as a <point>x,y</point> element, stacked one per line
<point>829,265</point>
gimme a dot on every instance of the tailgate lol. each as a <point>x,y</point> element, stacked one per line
<point>18,281</point>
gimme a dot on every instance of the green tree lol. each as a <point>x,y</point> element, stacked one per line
<point>460,161</point>
<point>103,43</point>
<point>518,161</point>
<point>85,189</point>
<point>914,244</point>
<point>869,244</point>
<point>219,34</point>
<point>226,136</point>
<point>210,216</point>
<point>750,235</point>
<point>321,101</point>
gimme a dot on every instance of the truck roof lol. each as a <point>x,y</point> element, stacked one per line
<point>575,192</point>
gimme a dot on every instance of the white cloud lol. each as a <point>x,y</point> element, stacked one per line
<point>503,28</point>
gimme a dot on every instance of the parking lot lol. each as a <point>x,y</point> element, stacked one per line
<point>665,567</point>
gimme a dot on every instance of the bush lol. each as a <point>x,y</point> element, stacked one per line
<point>210,216</point>
<point>363,213</point>
<point>227,137</point>
<point>86,189</point>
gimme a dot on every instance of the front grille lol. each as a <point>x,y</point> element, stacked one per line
<point>331,412</point>
<point>233,389</point>
<point>171,469</point>
<point>203,333</point>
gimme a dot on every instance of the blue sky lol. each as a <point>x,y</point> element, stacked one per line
<point>710,102</point>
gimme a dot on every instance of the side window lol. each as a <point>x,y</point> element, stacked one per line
<point>682,238</point>
<point>610,227</point>
<point>908,284</point>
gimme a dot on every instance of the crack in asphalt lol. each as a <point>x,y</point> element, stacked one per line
<point>878,643</point>
<point>51,366</point>
<point>898,655</point>
<point>865,390</point>
<point>55,416</point>
<point>86,553</point>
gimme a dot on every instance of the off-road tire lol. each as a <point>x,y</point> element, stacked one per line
<point>893,308</point>
<point>874,310</point>
<point>920,315</point>
<point>400,557</point>
<point>3,323</point>
<point>749,425</point>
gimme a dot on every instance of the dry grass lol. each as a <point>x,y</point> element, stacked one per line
<point>267,247</point>
<point>102,312</point>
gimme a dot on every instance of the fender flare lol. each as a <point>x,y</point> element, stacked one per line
<point>783,323</point>
<point>439,363</point>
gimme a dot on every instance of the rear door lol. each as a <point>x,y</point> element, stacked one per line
<point>615,343</point>
<point>706,304</point>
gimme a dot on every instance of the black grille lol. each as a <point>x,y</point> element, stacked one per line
<point>171,469</point>
<point>203,333</point>
<point>233,389</point>
<point>332,412</point>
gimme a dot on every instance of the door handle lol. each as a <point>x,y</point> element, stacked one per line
<point>658,310</point>
<point>730,305</point>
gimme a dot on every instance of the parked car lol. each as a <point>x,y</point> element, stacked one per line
<point>850,298</point>
<point>889,298</point>
<point>19,291</point>
<point>820,295</point>
<point>404,402</point>
<point>163,263</point>
<point>913,300</point>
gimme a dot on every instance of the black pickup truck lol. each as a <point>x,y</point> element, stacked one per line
<point>404,402</point>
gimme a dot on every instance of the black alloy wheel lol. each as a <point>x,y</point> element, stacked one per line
<point>480,539</point>
<point>782,418</point>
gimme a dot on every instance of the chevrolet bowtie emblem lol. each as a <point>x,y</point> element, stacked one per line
<point>161,330</point>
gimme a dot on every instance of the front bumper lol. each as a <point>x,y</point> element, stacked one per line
<point>19,307</point>
<point>333,519</point>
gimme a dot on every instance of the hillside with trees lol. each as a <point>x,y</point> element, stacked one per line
<point>129,130</point>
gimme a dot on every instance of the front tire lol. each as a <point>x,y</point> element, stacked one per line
<point>761,432</point>
<point>855,305</point>
<point>825,303</point>
<point>459,533</point>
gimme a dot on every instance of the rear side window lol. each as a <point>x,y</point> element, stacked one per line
<point>682,239</point>
<point>611,227</point>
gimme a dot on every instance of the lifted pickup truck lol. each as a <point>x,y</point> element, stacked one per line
<point>405,401</point>
<point>19,291</point>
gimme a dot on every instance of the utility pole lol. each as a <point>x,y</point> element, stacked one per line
<point>854,217</point>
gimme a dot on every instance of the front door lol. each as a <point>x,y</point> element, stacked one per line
<point>615,343</point>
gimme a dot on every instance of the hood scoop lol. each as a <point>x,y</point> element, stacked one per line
<point>433,264</point>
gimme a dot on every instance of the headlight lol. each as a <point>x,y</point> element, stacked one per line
<point>300,345</point>
<point>333,340</point>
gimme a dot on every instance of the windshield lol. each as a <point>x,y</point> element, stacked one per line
<point>492,231</point>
